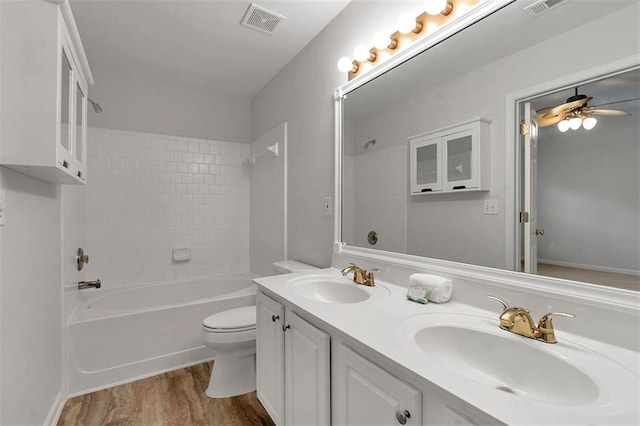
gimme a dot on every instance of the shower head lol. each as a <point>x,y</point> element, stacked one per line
<point>96,106</point>
<point>368,144</point>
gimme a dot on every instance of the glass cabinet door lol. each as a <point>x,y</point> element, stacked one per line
<point>66,130</point>
<point>80,130</point>
<point>425,166</point>
<point>459,153</point>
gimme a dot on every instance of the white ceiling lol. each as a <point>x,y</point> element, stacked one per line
<point>197,43</point>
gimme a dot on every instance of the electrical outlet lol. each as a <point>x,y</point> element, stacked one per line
<point>328,206</point>
<point>490,207</point>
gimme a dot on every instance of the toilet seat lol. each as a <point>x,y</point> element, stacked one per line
<point>231,321</point>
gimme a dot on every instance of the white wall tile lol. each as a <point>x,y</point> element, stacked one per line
<point>149,193</point>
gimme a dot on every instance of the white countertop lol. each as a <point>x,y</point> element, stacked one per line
<point>383,323</point>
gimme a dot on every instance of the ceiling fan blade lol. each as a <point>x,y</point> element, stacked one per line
<point>569,106</point>
<point>546,121</point>
<point>616,102</point>
<point>610,112</point>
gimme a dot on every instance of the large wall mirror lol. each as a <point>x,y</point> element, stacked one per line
<point>587,182</point>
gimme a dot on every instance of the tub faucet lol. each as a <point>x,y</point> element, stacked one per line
<point>519,321</point>
<point>360,276</point>
<point>82,285</point>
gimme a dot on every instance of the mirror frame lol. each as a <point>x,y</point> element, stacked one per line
<point>512,151</point>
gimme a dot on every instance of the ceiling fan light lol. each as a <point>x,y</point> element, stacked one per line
<point>563,125</point>
<point>575,123</point>
<point>589,123</point>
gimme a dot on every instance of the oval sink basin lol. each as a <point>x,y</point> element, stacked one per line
<point>507,364</point>
<point>475,348</point>
<point>329,289</point>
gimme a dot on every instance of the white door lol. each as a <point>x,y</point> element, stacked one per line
<point>365,394</point>
<point>307,374</point>
<point>270,356</point>
<point>530,219</point>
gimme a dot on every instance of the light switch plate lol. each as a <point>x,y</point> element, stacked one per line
<point>490,207</point>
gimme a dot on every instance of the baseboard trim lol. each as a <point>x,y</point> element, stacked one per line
<point>55,410</point>
<point>591,267</point>
<point>140,377</point>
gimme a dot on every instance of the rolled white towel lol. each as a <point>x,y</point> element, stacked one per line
<point>441,288</point>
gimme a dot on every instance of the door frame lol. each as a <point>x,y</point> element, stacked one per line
<point>513,151</point>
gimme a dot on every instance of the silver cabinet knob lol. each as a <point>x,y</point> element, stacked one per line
<point>275,318</point>
<point>285,327</point>
<point>402,416</point>
<point>540,232</point>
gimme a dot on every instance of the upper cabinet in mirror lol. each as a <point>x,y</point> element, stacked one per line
<point>588,226</point>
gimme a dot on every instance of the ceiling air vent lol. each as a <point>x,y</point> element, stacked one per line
<point>261,19</point>
<point>542,6</point>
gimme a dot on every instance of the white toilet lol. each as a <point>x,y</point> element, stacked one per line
<point>232,335</point>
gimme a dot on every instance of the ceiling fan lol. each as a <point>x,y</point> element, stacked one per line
<point>576,112</point>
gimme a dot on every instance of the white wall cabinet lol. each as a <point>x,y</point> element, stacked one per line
<point>293,366</point>
<point>365,394</point>
<point>451,159</point>
<point>45,79</point>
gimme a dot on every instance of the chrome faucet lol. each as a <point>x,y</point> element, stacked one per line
<point>519,321</point>
<point>360,276</point>
<point>83,285</point>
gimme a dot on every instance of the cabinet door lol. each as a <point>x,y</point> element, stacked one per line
<point>66,130</point>
<point>365,394</point>
<point>80,133</point>
<point>460,153</point>
<point>425,165</point>
<point>307,374</point>
<point>270,356</point>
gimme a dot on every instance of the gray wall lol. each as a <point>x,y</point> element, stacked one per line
<point>302,95</point>
<point>589,195</point>
<point>143,105</point>
<point>302,92</point>
<point>30,304</point>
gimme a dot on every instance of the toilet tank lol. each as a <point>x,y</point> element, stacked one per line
<point>288,266</point>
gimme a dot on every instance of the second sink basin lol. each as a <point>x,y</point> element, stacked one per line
<point>476,349</point>
<point>333,289</point>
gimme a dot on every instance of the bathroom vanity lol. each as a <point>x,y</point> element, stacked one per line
<point>328,348</point>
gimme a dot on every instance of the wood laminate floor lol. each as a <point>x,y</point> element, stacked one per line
<point>174,398</point>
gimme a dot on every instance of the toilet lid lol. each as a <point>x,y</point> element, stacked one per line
<point>234,319</point>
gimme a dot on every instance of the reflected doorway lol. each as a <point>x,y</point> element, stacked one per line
<point>583,186</point>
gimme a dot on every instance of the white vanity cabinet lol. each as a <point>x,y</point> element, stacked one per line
<point>365,394</point>
<point>454,158</point>
<point>293,366</point>
<point>45,78</point>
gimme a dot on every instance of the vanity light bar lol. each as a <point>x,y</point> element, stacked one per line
<point>410,30</point>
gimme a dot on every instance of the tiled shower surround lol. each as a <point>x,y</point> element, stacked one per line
<point>147,194</point>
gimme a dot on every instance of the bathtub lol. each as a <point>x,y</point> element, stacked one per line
<point>121,335</point>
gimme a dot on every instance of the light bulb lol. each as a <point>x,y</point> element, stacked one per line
<point>381,40</point>
<point>406,22</point>
<point>563,126</point>
<point>434,7</point>
<point>345,64</point>
<point>575,123</point>
<point>361,53</point>
<point>589,123</point>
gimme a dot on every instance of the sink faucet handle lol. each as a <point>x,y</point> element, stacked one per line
<point>370,278</point>
<point>504,304</point>
<point>545,326</point>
